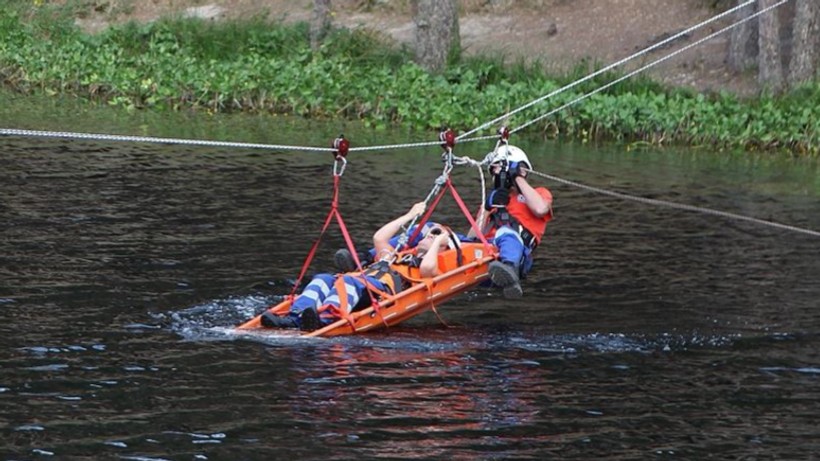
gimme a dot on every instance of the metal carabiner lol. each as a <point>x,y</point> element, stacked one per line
<point>338,171</point>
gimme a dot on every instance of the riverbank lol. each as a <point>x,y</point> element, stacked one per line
<point>253,65</point>
<point>557,34</point>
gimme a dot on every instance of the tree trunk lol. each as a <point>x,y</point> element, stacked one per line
<point>806,41</point>
<point>319,22</point>
<point>770,65</point>
<point>437,33</point>
<point>743,40</point>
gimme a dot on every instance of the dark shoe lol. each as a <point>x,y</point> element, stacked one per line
<point>271,320</point>
<point>344,261</point>
<point>513,291</point>
<point>309,320</point>
<point>505,276</point>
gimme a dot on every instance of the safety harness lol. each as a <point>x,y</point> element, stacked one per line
<point>386,273</point>
<point>502,217</point>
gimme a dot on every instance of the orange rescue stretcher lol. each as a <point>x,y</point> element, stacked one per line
<point>422,295</point>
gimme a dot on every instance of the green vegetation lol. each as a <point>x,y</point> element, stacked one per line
<point>257,66</point>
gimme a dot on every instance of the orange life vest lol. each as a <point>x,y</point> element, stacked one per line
<point>395,275</point>
<point>534,225</point>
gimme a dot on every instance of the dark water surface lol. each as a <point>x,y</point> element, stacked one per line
<point>644,333</point>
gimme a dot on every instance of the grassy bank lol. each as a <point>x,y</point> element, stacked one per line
<point>257,66</point>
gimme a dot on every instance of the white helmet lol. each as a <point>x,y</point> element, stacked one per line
<point>509,153</point>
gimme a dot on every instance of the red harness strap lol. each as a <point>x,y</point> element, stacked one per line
<point>334,213</point>
<point>425,217</point>
<point>464,210</point>
<point>467,214</point>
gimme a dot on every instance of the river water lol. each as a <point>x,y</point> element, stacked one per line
<point>644,332</point>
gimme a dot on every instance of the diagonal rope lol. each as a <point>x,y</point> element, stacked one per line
<point>677,206</point>
<point>644,200</point>
<point>612,66</point>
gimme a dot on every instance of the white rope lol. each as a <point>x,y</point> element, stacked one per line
<point>610,67</point>
<point>479,165</point>
<point>651,64</point>
<point>644,200</point>
<point>201,142</point>
<point>677,206</point>
<point>413,145</point>
<point>148,139</point>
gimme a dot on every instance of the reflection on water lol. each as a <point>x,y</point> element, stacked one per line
<point>643,333</point>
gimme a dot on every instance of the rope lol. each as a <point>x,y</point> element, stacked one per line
<point>415,144</point>
<point>201,142</point>
<point>677,206</point>
<point>149,139</point>
<point>480,166</point>
<point>614,65</point>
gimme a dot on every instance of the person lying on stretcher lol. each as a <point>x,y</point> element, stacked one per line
<point>327,295</point>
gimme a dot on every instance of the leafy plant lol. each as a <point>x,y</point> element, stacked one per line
<point>258,66</point>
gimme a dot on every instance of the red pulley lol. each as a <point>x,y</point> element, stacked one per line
<point>341,145</point>
<point>447,138</point>
<point>504,133</point>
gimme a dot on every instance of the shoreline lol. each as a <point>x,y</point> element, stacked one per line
<point>254,66</point>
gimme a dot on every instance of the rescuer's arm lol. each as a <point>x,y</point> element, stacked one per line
<point>535,202</point>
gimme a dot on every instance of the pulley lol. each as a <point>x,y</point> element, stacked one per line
<point>341,147</point>
<point>447,138</point>
<point>504,134</point>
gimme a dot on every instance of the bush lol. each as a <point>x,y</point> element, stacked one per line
<point>257,66</point>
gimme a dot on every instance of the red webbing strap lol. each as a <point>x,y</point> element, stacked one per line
<point>372,291</point>
<point>469,216</point>
<point>425,217</point>
<point>334,212</point>
<point>348,240</point>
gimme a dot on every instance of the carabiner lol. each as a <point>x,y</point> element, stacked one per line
<point>337,170</point>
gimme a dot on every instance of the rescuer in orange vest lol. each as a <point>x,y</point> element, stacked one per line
<point>518,217</point>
